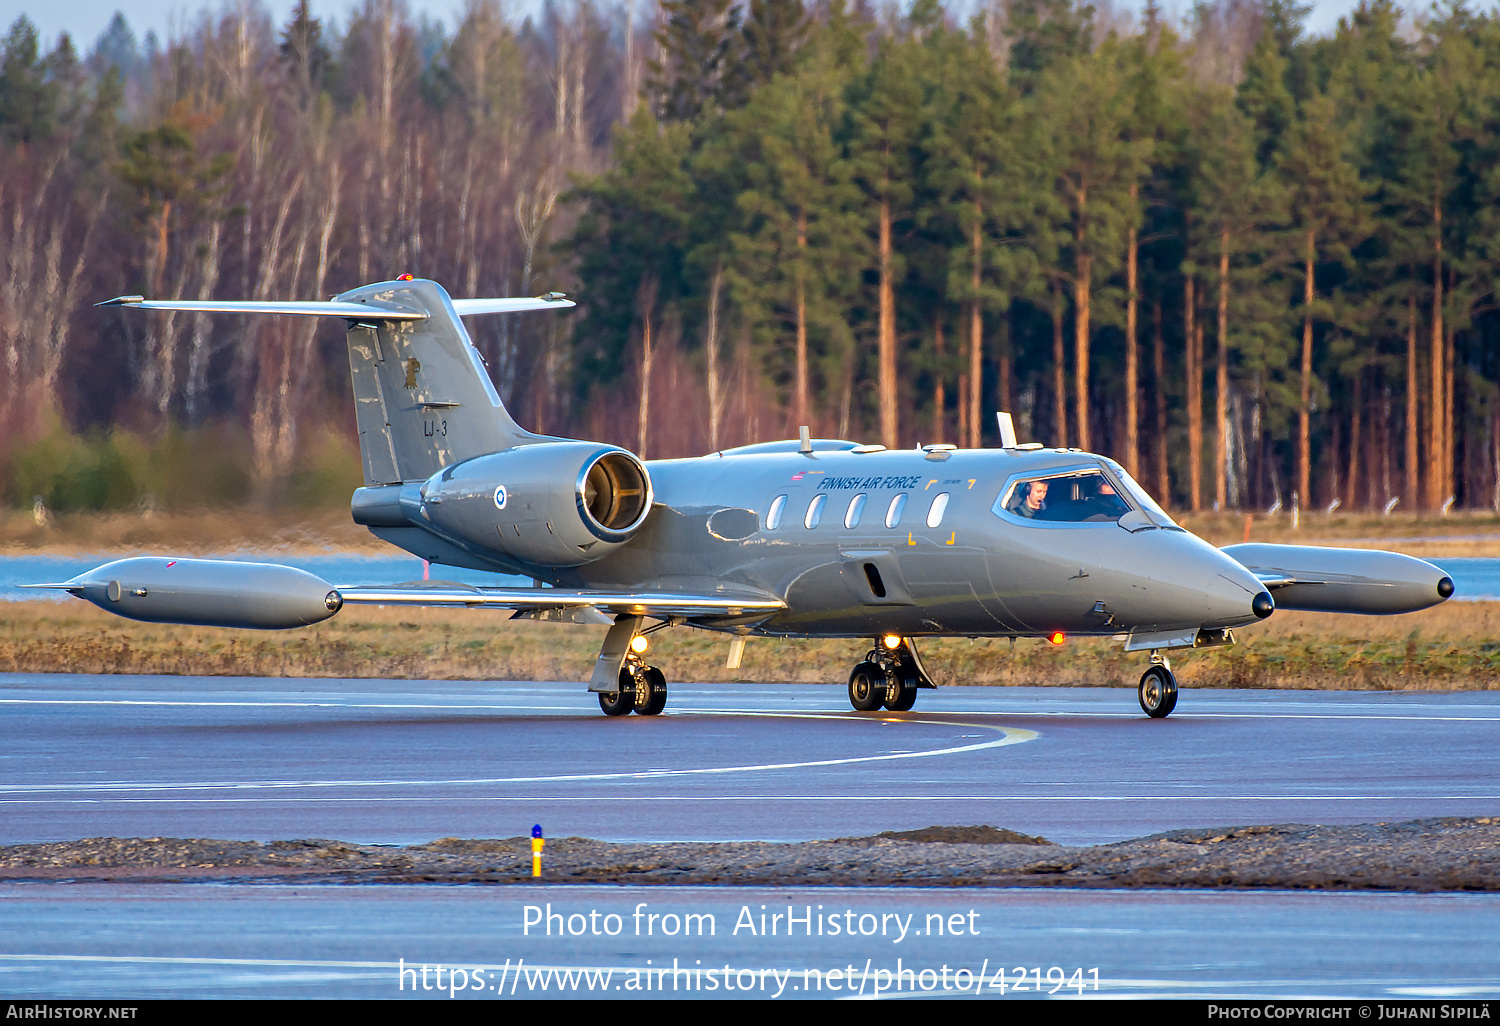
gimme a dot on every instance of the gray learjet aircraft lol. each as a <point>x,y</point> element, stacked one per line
<point>803,538</point>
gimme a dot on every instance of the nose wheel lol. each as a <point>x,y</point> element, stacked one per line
<point>1158,691</point>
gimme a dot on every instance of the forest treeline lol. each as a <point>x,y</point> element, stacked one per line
<point>1252,265</point>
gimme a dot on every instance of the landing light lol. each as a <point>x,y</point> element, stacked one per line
<point>891,641</point>
<point>1056,637</point>
<point>638,645</point>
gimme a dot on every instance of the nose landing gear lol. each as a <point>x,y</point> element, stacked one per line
<point>889,676</point>
<point>1158,688</point>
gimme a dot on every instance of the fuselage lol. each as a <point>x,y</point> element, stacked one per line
<point>859,540</point>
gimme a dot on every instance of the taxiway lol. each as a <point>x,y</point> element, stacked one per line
<point>407,761</point>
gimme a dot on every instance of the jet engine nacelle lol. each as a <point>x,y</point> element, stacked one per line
<point>552,504</point>
<point>208,592</point>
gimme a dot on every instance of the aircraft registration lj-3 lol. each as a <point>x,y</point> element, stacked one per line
<point>798,539</point>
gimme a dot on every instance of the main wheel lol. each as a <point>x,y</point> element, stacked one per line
<point>618,703</point>
<point>650,691</point>
<point>1158,692</point>
<point>901,691</point>
<point>904,700</point>
<point>867,687</point>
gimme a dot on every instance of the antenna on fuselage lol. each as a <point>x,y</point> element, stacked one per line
<point>1007,430</point>
<point>805,438</point>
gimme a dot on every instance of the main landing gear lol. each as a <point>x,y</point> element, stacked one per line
<point>643,689</point>
<point>1158,690</point>
<point>889,676</point>
<point>622,680</point>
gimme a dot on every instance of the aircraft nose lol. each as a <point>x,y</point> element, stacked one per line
<point>1235,597</point>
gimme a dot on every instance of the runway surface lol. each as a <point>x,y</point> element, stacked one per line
<point>410,761</point>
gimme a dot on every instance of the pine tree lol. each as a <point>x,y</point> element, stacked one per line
<point>304,54</point>
<point>693,43</point>
<point>1328,215</point>
<point>28,98</point>
<point>980,188</point>
<point>886,124</point>
<point>795,262</point>
<point>1096,160</point>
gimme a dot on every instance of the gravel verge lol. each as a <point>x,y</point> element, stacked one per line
<point>1451,854</point>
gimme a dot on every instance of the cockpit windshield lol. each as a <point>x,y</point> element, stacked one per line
<point>1141,497</point>
<point>1070,497</point>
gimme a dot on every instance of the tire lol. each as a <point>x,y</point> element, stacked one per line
<point>1158,692</point>
<point>867,686</point>
<point>651,692</point>
<point>902,700</point>
<point>617,703</point>
<point>901,691</point>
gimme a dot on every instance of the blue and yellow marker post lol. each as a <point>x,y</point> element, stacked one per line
<point>536,850</point>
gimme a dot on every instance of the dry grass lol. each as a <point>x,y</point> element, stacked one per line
<point>1465,533</point>
<point>1450,647</point>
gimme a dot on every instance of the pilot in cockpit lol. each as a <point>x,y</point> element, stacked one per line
<point>1102,502</point>
<point>1032,499</point>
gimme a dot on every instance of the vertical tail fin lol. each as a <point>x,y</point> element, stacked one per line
<point>423,399</point>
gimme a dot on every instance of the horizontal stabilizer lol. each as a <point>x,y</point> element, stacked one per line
<point>550,301</point>
<point>308,308</point>
<point>423,398</point>
<point>363,311</point>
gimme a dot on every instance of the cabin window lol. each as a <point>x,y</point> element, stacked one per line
<point>773,516</point>
<point>936,510</point>
<point>893,512</point>
<point>856,507</point>
<point>815,511</point>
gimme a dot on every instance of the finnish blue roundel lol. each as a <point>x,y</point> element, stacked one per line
<point>500,497</point>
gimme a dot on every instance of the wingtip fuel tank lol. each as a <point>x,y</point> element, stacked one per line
<point>1332,580</point>
<point>208,592</point>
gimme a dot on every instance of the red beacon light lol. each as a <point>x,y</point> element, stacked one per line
<point>1057,637</point>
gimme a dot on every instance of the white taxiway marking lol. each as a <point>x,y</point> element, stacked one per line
<point>1008,736</point>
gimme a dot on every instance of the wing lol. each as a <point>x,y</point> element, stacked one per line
<point>661,604</point>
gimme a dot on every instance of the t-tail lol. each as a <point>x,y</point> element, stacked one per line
<point>422,397</point>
